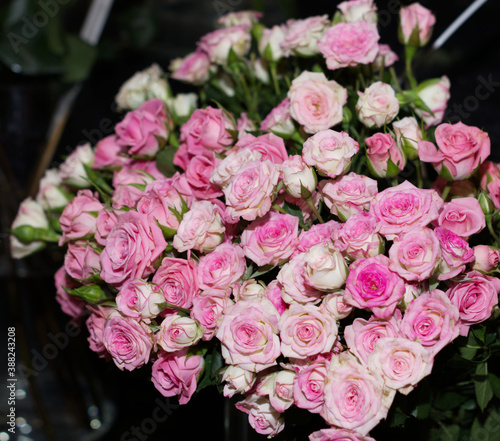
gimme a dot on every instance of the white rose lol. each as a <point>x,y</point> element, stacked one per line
<point>249,290</point>
<point>297,174</point>
<point>377,105</point>
<point>270,43</point>
<point>333,304</point>
<point>51,195</point>
<point>182,105</point>
<point>72,171</point>
<point>325,268</point>
<point>355,10</point>
<point>436,97</point>
<point>237,380</point>
<point>408,133</point>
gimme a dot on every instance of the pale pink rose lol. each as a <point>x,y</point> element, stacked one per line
<point>261,415</point>
<point>278,386</point>
<point>51,193</point>
<point>248,18</point>
<point>273,294</point>
<point>317,234</point>
<point>358,238</point>
<point>217,44</point>
<point>415,255</point>
<point>432,320</point>
<point>109,153</point>
<point>333,304</point>
<point>349,44</point>
<point>486,258</point>
<point>270,43</point>
<point>142,129</point>
<point>249,335</point>
<point>238,380</point>
<point>381,148</point>
<point>362,334</point>
<point>416,23</point>
<point>461,150</point>
<point>244,125</point>
<point>377,105</point>
<point>207,309</point>
<point>435,96</point>
<point>132,247</point>
<point>295,287</point>
<point>178,332</point>
<point>138,299</point>
<point>128,342</point>
<point>305,331</point>
<point>230,165</point>
<point>330,152</point>
<point>355,10</point>
<point>72,170</point>
<point>301,36</point>
<point>279,120</point>
<point>79,217</point>
<point>271,146</point>
<point>462,216</point>
<point>401,362</point>
<point>337,435</point>
<point>325,268</point>
<point>271,240</point>
<point>355,399</point>
<point>177,279</point>
<point>297,175</point>
<point>95,325</point>
<point>71,305</point>
<point>475,295</point>
<point>348,195</point>
<point>408,134</point>
<point>250,193</point>
<point>82,261</point>
<point>201,228</point>
<point>106,219</point>
<point>455,253</point>
<point>176,374</point>
<point>404,207</point>
<point>198,174</point>
<point>372,285</point>
<point>386,57</point>
<point>315,102</point>
<point>207,130</point>
<point>250,290</point>
<point>193,68</point>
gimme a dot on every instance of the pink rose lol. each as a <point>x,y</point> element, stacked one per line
<point>279,121</point>
<point>461,150</point>
<point>106,219</point>
<point>128,342</point>
<point>249,335</point>
<point>474,296</point>
<point>141,128</point>
<point>139,300</point>
<point>337,434</point>
<point>250,193</point>
<point>70,305</point>
<point>372,285</point>
<point>349,44</point>
<point>82,261</point>
<point>198,174</point>
<point>78,218</point>
<point>362,334</point>
<point>178,332</point>
<point>177,279</point>
<point>272,239</point>
<point>381,148</point>
<point>487,258</point>
<point>95,325</point>
<point>404,207</point>
<point>308,387</point>
<point>455,253</point>
<point>432,320</point>
<point>401,362</point>
<point>261,415</point>
<point>333,304</point>
<point>435,96</point>
<point>207,309</point>
<point>416,23</point>
<point>355,399</point>
<point>330,152</point>
<point>271,147</point>
<point>386,56</point>
<point>132,247</point>
<point>217,44</point>
<point>301,36</point>
<point>273,294</point>
<point>109,153</point>
<point>193,68</point>
<point>315,102</point>
<point>175,374</point>
<point>305,331</point>
<point>349,194</point>
<point>231,164</point>
<point>317,234</point>
<point>462,216</point>
<point>377,105</point>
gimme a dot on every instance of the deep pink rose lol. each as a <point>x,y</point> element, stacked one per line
<point>349,44</point>
<point>337,434</point>
<point>175,374</point>
<point>219,43</point>
<point>128,342</point>
<point>71,305</point>
<point>273,294</point>
<point>455,253</point>
<point>207,309</point>
<point>381,148</point>
<point>404,207</point>
<point>132,247</point>
<point>315,102</point>
<point>474,296</point>
<point>372,285</point>
<point>95,325</point>
<point>487,258</point>
<point>461,150</point>
<point>193,68</point>
<point>416,17</point>
<point>82,261</point>
<point>261,415</point>
<point>462,216</point>
<point>432,320</point>
<point>109,153</point>
<point>198,174</point>
<point>79,217</point>
<point>301,36</point>
<point>271,147</point>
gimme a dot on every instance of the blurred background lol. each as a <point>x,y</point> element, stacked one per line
<point>69,393</point>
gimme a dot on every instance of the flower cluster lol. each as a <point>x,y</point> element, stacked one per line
<point>288,232</point>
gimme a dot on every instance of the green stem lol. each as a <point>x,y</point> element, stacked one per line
<point>315,211</point>
<point>418,166</point>
<point>409,54</point>
<point>492,231</point>
<point>395,79</point>
<point>272,68</point>
<point>446,190</point>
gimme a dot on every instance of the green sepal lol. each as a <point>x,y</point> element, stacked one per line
<point>92,294</point>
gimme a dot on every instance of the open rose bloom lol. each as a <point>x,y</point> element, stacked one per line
<point>280,232</point>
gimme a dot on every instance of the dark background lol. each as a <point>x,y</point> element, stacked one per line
<point>62,398</point>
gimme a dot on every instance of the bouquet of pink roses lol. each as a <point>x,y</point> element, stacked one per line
<point>298,232</point>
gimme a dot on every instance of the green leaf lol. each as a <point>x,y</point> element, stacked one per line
<point>91,294</point>
<point>168,232</point>
<point>165,161</point>
<point>495,384</point>
<point>262,270</point>
<point>294,210</point>
<point>484,392</point>
<point>449,400</point>
<point>469,351</point>
<point>479,333</point>
<point>213,365</point>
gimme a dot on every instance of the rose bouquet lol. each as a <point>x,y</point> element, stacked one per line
<point>304,231</point>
